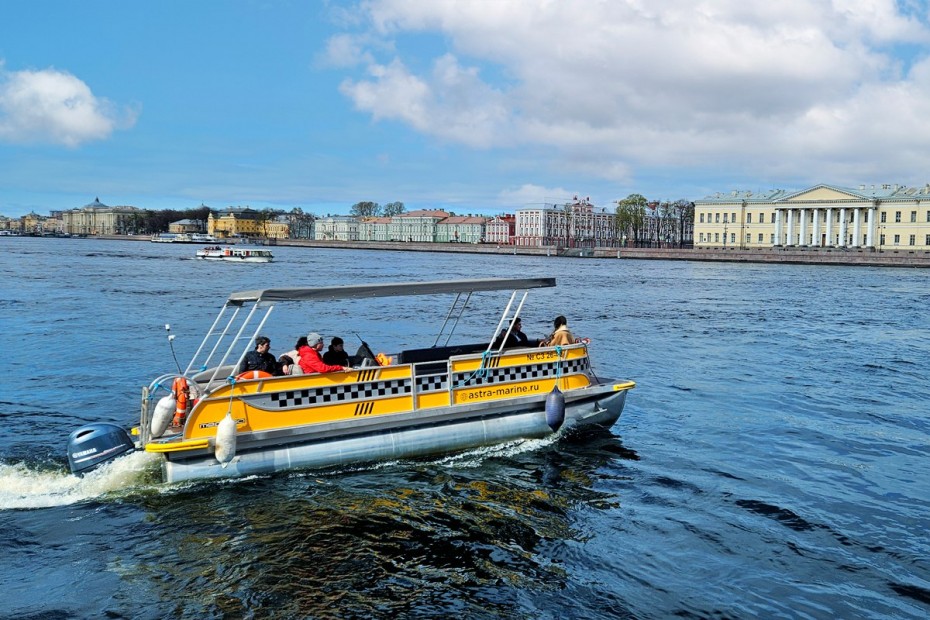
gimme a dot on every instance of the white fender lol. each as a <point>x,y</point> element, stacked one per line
<point>225,443</point>
<point>161,418</point>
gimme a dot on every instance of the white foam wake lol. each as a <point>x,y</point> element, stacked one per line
<point>24,488</point>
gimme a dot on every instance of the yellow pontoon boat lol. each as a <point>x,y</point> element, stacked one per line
<point>432,400</point>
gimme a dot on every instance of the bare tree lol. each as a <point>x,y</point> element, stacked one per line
<point>393,208</point>
<point>365,209</point>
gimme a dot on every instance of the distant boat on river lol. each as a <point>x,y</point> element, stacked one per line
<point>235,255</point>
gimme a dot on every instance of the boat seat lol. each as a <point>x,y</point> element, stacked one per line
<point>205,375</point>
<point>433,354</point>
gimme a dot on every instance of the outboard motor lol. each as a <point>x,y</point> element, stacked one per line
<point>93,445</point>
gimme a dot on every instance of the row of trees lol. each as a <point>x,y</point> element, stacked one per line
<point>373,209</point>
<point>643,222</point>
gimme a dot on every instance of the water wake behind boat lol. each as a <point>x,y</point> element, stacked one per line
<point>23,488</point>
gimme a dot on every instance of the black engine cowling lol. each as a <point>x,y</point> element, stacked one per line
<point>93,445</point>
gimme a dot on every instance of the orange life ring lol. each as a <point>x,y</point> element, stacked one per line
<point>253,374</point>
<point>182,393</point>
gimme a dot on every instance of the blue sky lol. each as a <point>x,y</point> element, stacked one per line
<point>476,107</point>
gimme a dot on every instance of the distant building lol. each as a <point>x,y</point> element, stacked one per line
<point>186,226</point>
<point>416,226</point>
<point>32,223</point>
<point>374,229</point>
<point>500,229</point>
<point>877,217</point>
<point>97,218</point>
<point>247,223</point>
<point>336,228</point>
<point>576,224</point>
<point>460,229</point>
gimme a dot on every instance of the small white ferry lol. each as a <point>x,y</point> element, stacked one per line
<point>208,422</point>
<point>235,255</point>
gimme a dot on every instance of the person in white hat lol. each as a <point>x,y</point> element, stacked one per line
<point>310,358</point>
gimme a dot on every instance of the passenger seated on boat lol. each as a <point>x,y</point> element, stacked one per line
<point>293,368</point>
<point>310,358</point>
<point>286,364</point>
<point>516,338</point>
<point>336,353</point>
<point>561,336</point>
<point>260,358</point>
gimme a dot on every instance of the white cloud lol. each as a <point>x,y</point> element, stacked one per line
<point>452,102</point>
<point>51,106</point>
<point>530,194</point>
<point>802,86</point>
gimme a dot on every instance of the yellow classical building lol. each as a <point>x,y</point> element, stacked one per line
<point>876,217</point>
<point>246,222</point>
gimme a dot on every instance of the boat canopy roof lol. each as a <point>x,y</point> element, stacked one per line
<point>402,289</point>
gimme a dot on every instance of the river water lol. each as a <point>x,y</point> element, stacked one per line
<point>772,461</point>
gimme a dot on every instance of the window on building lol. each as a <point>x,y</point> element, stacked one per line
<point>724,218</point>
<point>702,218</point>
<point>927,240</point>
<point>716,237</point>
<point>897,217</point>
<point>881,240</point>
<point>732,237</point>
<point>884,217</point>
<point>865,217</point>
<point>897,239</point>
<point>760,237</point>
<point>716,218</point>
<point>913,217</point>
<point>772,238</point>
<point>762,217</point>
<point>732,217</point>
<point>749,218</point>
<point>748,238</point>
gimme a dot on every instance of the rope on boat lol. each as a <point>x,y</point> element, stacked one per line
<point>480,372</point>
<point>155,387</point>
<point>232,385</point>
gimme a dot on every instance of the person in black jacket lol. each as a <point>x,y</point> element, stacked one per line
<point>336,353</point>
<point>260,358</point>
<point>516,338</point>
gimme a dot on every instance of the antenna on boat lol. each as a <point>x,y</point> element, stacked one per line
<point>171,344</point>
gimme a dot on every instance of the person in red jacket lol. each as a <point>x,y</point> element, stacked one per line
<point>310,358</point>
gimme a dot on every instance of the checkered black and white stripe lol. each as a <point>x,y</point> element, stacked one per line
<point>432,383</point>
<point>336,394</point>
<point>489,376</point>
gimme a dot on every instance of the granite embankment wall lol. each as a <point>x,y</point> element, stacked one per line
<point>810,256</point>
<point>807,256</point>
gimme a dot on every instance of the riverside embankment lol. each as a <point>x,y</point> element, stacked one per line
<point>897,257</point>
<point>807,256</point>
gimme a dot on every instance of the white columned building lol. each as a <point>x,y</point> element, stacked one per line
<point>883,218</point>
<point>802,226</point>
<point>870,230</point>
<point>779,217</point>
<point>815,238</point>
<point>843,241</point>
